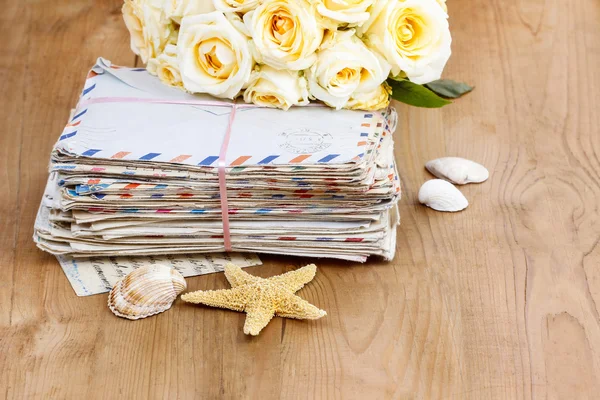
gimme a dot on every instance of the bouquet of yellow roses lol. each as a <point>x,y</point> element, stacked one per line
<point>352,54</point>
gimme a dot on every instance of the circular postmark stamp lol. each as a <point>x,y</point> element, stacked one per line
<point>304,141</point>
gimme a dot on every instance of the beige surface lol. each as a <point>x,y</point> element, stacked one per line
<point>499,301</point>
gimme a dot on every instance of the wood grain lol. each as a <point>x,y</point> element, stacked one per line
<point>498,301</point>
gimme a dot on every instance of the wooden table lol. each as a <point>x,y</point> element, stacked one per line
<point>498,301</point>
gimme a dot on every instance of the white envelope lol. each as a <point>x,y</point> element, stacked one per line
<point>117,119</point>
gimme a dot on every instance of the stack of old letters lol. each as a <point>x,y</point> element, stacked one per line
<point>144,169</point>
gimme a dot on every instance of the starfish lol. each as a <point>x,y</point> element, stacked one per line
<point>261,298</point>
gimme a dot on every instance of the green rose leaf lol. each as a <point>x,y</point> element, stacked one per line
<point>448,88</point>
<point>415,95</point>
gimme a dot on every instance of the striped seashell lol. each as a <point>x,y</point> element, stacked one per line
<point>146,291</point>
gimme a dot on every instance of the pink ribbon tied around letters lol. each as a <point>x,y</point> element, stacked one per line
<point>221,163</point>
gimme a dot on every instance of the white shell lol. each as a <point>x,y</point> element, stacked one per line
<point>458,170</point>
<point>146,291</point>
<point>441,195</point>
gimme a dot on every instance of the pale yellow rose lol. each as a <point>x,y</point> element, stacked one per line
<point>177,9</point>
<point>238,23</point>
<point>274,88</point>
<point>148,30</point>
<point>353,12</point>
<point>213,56</point>
<point>344,67</point>
<point>413,35</point>
<point>286,33</point>
<point>377,99</point>
<point>240,6</point>
<point>166,67</point>
<point>442,4</point>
